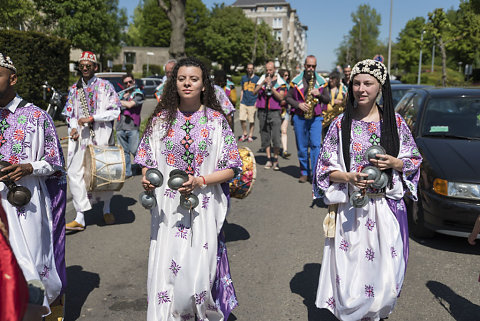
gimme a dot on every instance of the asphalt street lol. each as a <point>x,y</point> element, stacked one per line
<point>275,244</point>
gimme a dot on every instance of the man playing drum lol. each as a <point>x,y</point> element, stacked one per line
<point>90,111</point>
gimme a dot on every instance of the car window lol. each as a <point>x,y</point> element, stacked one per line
<point>452,117</point>
<point>149,83</point>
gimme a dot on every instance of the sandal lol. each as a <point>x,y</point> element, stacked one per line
<point>268,165</point>
<point>243,138</point>
<point>250,139</point>
<point>275,165</point>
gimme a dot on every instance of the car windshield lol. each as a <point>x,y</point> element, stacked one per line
<point>397,94</point>
<point>452,117</point>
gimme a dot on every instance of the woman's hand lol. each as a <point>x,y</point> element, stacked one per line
<point>386,161</point>
<point>192,183</point>
<point>359,179</point>
<point>146,184</point>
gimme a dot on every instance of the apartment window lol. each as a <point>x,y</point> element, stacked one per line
<point>259,21</point>
<point>253,9</point>
<point>129,58</point>
<point>278,8</point>
<point>278,35</point>
<point>277,23</point>
<point>264,8</point>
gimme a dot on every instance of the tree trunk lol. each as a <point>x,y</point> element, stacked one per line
<point>176,15</point>
<point>441,44</point>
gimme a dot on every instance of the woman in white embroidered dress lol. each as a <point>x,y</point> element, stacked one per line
<point>364,265</point>
<point>188,273</point>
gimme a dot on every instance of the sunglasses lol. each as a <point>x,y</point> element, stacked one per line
<point>128,82</point>
<point>311,66</point>
<point>81,66</point>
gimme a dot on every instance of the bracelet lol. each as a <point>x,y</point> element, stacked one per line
<point>204,182</point>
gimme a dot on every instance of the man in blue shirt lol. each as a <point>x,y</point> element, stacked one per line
<point>247,103</point>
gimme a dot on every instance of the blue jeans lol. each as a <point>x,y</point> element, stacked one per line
<point>308,134</point>
<point>129,140</point>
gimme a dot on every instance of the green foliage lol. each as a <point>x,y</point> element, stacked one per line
<point>152,28</point>
<point>94,25</point>
<point>16,13</point>
<point>38,58</point>
<point>362,40</point>
<point>455,78</point>
<point>408,45</point>
<point>152,70</point>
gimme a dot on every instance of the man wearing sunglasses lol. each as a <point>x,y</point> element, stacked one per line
<point>308,132</point>
<point>128,122</point>
<point>91,108</point>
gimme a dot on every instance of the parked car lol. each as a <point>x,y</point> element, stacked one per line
<point>150,85</point>
<point>399,90</point>
<point>445,123</point>
<point>116,79</point>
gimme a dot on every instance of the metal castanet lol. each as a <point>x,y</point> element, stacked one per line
<point>358,199</point>
<point>17,195</point>
<point>147,198</point>
<point>372,152</point>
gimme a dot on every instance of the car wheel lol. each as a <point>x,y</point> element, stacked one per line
<point>417,221</point>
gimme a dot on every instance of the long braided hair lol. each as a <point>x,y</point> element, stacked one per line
<point>388,126</point>
<point>170,100</point>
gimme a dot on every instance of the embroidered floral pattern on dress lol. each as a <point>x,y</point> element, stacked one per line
<point>170,193</point>
<point>337,279</point>
<point>369,293</point>
<point>45,273</point>
<point>18,129</point>
<point>393,252</point>
<point>205,246</point>
<point>163,297</point>
<point>369,254</point>
<point>200,297</point>
<point>344,245</point>
<point>182,231</point>
<point>370,224</point>
<point>232,302</point>
<point>174,267</point>
<point>226,280</point>
<point>205,201</point>
<point>331,303</point>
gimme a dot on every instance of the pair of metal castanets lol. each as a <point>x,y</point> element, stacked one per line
<point>17,195</point>
<point>176,180</point>
<point>359,198</point>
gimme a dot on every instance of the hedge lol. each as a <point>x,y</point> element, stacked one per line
<point>38,58</point>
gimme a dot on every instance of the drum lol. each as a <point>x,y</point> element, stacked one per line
<point>104,168</point>
<point>241,185</point>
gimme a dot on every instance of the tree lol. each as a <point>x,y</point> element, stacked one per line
<point>362,40</point>
<point>445,33</point>
<point>175,11</point>
<point>16,14</point>
<point>408,45</point>
<point>233,39</point>
<point>94,25</point>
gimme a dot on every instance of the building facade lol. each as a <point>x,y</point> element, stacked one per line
<point>283,20</point>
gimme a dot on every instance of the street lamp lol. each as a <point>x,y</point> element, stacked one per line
<point>390,39</point>
<point>420,58</point>
<point>149,53</point>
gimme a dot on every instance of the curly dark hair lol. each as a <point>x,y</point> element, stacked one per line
<point>388,132</point>
<point>170,99</point>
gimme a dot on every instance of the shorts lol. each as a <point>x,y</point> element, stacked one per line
<point>247,113</point>
<point>270,122</point>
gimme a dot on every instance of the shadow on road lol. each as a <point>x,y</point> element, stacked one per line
<point>305,284</point>
<point>291,170</point>
<point>80,284</point>
<point>457,306</point>
<point>235,232</point>
<point>448,243</point>
<point>260,159</point>
<point>119,207</point>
